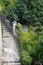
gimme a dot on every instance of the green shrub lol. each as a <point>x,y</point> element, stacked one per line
<point>24,11</point>
<point>26,37</point>
<point>27,41</point>
<point>25,58</point>
<point>30,11</point>
<point>40,41</point>
<point>31,45</point>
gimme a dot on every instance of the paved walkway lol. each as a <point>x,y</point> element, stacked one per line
<point>10,48</point>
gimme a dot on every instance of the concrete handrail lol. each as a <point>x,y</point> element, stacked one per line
<point>0,41</point>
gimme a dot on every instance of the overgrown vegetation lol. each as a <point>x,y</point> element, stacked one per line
<point>24,11</point>
<point>31,46</point>
<point>8,8</point>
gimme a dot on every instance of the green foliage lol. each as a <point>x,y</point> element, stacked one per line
<point>24,11</point>
<point>40,41</point>
<point>27,44</point>
<point>8,8</point>
<point>25,58</point>
<point>26,37</point>
<point>30,11</point>
<point>31,45</point>
<point>0,8</point>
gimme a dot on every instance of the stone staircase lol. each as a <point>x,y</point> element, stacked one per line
<point>10,51</point>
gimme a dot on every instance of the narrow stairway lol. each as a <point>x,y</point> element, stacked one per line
<point>10,52</point>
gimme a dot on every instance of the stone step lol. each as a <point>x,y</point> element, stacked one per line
<point>3,26</point>
<point>10,48</point>
<point>5,29</point>
<point>6,34</point>
<point>12,63</point>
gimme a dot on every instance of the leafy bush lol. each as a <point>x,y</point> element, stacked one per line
<point>27,41</point>
<point>26,37</point>
<point>31,46</point>
<point>29,11</point>
<point>40,41</point>
<point>24,11</point>
<point>25,58</point>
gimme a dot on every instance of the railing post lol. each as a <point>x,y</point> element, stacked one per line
<point>14,28</point>
<point>0,41</point>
